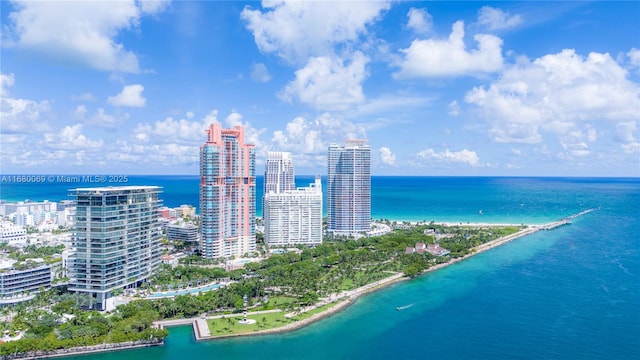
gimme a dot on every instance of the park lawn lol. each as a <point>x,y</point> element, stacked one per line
<point>230,326</point>
<point>277,302</point>
<point>310,313</point>
<point>223,326</point>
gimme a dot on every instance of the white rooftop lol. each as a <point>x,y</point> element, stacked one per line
<point>118,188</point>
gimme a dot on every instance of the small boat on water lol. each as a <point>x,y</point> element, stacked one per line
<point>404,307</point>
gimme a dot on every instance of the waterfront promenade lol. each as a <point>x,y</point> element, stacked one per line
<point>346,298</point>
<point>341,300</point>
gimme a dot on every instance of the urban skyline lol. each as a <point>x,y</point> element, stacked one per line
<point>438,88</point>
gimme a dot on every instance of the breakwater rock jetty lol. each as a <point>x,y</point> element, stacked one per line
<point>564,221</point>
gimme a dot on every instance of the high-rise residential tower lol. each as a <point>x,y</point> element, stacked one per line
<point>227,193</point>
<point>116,238</point>
<point>293,217</point>
<point>279,174</point>
<point>349,188</point>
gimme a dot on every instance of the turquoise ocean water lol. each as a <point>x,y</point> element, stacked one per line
<point>570,293</point>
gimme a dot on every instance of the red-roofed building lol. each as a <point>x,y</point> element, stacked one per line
<point>437,250</point>
<point>169,260</point>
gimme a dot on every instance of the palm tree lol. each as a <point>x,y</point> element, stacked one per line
<point>173,307</point>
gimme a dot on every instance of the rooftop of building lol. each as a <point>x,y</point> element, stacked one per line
<point>107,189</point>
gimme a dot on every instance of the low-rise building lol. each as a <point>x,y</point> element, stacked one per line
<point>22,285</point>
<point>437,250</point>
<point>185,211</point>
<point>178,212</point>
<point>185,232</point>
<point>12,234</point>
<point>171,260</point>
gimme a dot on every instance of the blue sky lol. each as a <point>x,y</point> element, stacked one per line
<point>437,88</point>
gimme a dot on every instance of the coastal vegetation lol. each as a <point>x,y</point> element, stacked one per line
<point>31,251</point>
<point>287,282</point>
<point>55,320</point>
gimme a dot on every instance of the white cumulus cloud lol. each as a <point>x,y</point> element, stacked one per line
<point>454,108</point>
<point>419,20</point>
<point>449,57</point>
<point>387,156</point>
<point>81,32</point>
<point>172,130</point>
<point>6,81</point>
<point>71,137</point>
<point>497,19</point>
<point>634,57</point>
<point>153,6</point>
<point>297,30</point>
<point>100,118</point>
<point>328,83</point>
<point>252,135</point>
<point>321,37</point>
<point>556,93</point>
<point>463,156</point>
<point>23,116</point>
<point>131,96</point>
<point>310,139</point>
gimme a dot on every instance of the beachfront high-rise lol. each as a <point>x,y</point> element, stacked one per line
<point>116,239</point>
<point>349,188</point>
<point>291,216</point>
<point>227,193</point>
<point>279,173</point>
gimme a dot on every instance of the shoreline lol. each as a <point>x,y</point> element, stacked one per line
<point>93,349</point>
<point>349,297</point>
<point>344,298</point>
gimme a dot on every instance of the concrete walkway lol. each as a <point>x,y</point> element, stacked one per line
<point>202,328</point>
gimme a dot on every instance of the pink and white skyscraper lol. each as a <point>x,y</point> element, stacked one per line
<point>227,193</point>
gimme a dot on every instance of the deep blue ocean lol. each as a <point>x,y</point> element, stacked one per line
<point>569,293</point>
